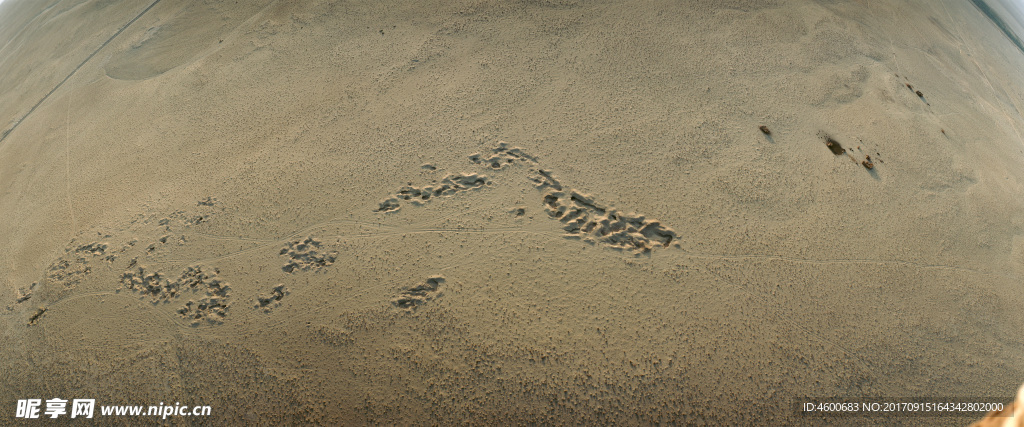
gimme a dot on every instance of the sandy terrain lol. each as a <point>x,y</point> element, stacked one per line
<point>508,212</point>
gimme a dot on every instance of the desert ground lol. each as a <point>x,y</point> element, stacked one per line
<point>509,212</point>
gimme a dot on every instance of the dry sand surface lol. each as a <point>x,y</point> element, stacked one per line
<point>505,212</point>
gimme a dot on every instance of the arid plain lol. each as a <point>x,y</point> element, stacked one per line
<point>508,211</point>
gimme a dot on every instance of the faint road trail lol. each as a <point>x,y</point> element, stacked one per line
<point>72,73</point>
